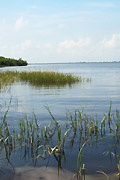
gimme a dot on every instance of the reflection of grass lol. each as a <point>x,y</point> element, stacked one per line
<point>39,78</point>
<point>53,139</point>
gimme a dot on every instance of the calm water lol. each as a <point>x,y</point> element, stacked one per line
<point>94,96</point>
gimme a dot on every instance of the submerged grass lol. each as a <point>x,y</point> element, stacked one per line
<point>39,78</point>
<point>52,139</point>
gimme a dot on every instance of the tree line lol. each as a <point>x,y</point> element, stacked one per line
<point>12,62</point>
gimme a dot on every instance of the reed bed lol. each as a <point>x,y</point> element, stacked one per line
<point>7,78</point>
<point>48,78</point>
<point>39,78</point>
<point>53,138</point>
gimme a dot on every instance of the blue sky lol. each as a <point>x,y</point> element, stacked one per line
<point>60,30</point>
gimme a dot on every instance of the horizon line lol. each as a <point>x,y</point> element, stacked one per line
<point>74,62</point>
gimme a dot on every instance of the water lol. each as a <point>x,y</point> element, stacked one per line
<point>94,96</point>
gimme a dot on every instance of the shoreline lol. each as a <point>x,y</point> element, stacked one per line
<point>49,173</point>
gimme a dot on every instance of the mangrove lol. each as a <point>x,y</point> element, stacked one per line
<point>12,62</point>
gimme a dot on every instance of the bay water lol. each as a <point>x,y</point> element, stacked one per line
<point>95,96</point>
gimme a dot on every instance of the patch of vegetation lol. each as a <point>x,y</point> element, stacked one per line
<point>12,62</point>
<point>48,78</point>
<point>39,78</point>
<point>54,138</point>
<point>7,78</point>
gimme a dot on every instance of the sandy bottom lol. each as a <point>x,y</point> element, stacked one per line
<point>43,173</point>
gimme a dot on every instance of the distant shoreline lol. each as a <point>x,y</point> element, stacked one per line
<point>73,62</point>
<point>7,62</point>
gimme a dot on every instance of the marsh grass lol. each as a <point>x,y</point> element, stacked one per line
<point>39,78</point>
<point>7,78</point>
<point>101,172</point>
<point>118,166</point>
<point>50,140</point>
<point>79,161</point>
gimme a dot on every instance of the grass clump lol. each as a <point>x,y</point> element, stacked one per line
<point>7,78</point>
<point>48,78</point>
<point>38,78</point>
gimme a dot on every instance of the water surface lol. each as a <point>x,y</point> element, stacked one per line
<point>94,96</point>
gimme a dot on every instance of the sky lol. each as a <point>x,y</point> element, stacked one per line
<point>56,31</point>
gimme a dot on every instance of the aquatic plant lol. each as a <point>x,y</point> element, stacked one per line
<point>38,78</point>
<point>79,175</point>
<point>50,141</point>
<point>48,78</point>
<point>7,78</point>
<point>118,166</point>
<point>108,178</point>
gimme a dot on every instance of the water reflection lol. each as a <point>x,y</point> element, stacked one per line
<point>58,144</point>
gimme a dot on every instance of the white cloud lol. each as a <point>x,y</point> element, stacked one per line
<point>26,45</point>
<point>114,42</point>
<point>40,45</point>
<point>61,26</point>
<point>20,23</point>
<point>68,44</point>
<point>3,20</point>
<point>3,47</point>
<point>48,46</point>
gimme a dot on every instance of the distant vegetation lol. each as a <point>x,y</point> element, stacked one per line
<point>39,78</point>
<point>12,62</point>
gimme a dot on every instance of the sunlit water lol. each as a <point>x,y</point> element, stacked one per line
<point>94,96</point>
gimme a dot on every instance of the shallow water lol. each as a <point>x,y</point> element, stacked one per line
<point>43,173</point>
<point>94,96</point>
